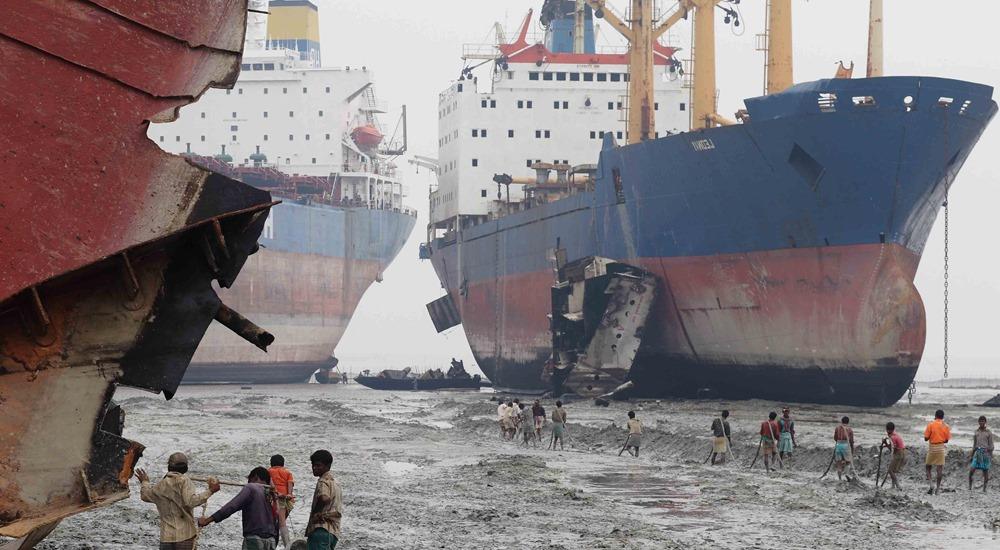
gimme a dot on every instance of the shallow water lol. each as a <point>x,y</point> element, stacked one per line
<point>425,470</point>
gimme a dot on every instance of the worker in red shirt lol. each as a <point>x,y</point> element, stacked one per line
<point>769,431</point>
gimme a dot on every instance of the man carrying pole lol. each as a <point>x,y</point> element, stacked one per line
<point>787,442</point>
<point>634,438</point>
<point>937,434</point>
<point>260,520</point>
<point>895,442</point>
<point>558,425</point>
<point>722,438</point>
<point>175,499</point>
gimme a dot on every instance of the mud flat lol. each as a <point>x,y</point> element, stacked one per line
<point>428,470</point>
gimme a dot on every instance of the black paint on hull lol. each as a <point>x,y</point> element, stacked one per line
<point>236,373</point>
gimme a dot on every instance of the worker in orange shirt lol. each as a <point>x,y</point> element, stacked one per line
<point>283,483</point>
<point>937,434</point>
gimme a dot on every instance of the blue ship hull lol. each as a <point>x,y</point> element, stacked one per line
<point>785,247</point>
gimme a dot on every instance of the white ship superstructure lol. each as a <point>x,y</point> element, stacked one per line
<point>548,102</point>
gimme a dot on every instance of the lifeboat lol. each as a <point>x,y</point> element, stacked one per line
<point>366,137</point>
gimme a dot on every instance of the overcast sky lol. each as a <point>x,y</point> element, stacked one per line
<point>414,49</point>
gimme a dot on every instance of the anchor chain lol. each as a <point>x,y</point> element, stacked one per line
<point>946,282</point>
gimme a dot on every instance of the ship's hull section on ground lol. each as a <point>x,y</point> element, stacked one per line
<point>243,373</point>
<point>314,266</point>
<point>786,247</point>
<point>418,384</point>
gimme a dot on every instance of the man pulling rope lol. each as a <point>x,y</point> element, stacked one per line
<point>175,499</point>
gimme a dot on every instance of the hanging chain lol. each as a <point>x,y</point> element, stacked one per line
<point>946,282</point>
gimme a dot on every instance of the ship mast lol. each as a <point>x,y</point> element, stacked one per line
<point>641,32</point>
<point>875,67</point>
<point>579,27</point>
<point>779,46</point>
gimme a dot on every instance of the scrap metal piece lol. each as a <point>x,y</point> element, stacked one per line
<point>599,310</point>
<point>244,327</point>
<point>443,313</point>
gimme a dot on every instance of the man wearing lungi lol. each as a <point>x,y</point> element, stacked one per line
<point>982,452</point>
<point>937,434</point>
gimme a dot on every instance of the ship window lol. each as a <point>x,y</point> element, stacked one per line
<point>459,87</point>
<point>234,128</point>
<point>314,160</point>
<point>683,106</point>
<point>483,104</point>
<point>475,132</point>
<point>328,136</point>
<point>161,139</point>
<point>245,66</point>
<point>520,104</point>
<point>291,137</point>
<point>203,115</point>
<point>475,162</point>
<point>574,77</point>
<point>321,113</point>
<point>265,91</point>
<point>809,168</point>
<point>239,91</point>
<point>547,76</point>
<point>265,137</point>
<point>307,137</point>
<point>258,66</point>
<point>510,75</point>
<point>482,133</point>
<point>588,77</point>
<point>555,104</point>
<point>284,90</point>
<point>611,105</point>
<point>234,114</point>
<point>291,114</point>
<point>327,89</point>
<point>305,90</point>
<point>203,138</point>
<point>510,133</point>
<point>228,92</point>
<point>482,192</point>
<point>619,135</point>
<point>656,106</point>
<point>533,75</point>
<point>528,164</point>
<point>619,105</point>
<point>265,114</point>
<point>602,77</point>
<point>593,134</point>
<point>601,134</point>
<point>234,138</point>
<point>529,104</point>
<point>538,134</point>
<point>178,138</point>
<point>268,66</point>
<point>627,77</point>
<point>493,104</point>
<point>560,76</point>
<point>565,104</point>
<point>548,134</point>
<point>616,77</point>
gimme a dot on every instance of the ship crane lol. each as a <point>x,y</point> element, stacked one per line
<point>421,161</point>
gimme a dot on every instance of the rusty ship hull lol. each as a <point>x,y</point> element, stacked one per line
<point>784,248</point>
<point>108,246</point>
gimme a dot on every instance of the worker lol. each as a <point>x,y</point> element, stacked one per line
<point>526,423</point>
<point>936,434</point>
<point>786,443</point>
<point>558,425</point>
<point>982,452</point>
<point>723,440</point>
<point>634,438</point>
<point>538,413</point>
<point>843,450</point>
<point>895,442</point>
<point>175,499</point>
<point>284,484</point>
<point>769,431</point>
<point>323,529</point>
<point>501,412</point>
<point>509,425</point>
<point>260,520</point>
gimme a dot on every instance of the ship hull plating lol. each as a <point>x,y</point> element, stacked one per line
<point>785,247</point>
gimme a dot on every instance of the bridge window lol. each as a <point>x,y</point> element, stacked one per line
<point>533,75</point>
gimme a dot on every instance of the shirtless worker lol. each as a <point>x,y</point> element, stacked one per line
<point>538,413</point>
<point>175,499</point>
<point>323,529</point>
<point>936,434</point>
<point>894,442</point>
<point>634,438</point>
<point>786,443</point>
<point>769,431</point>
<point>982,452</point>
<point>843,450</point>
<point>558,425</point>
<point>723,440</point>
<point>284,484</point>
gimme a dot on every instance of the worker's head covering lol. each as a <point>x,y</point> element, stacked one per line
<point>178,462</point>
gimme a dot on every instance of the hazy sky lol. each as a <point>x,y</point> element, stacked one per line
<point>414,49</point>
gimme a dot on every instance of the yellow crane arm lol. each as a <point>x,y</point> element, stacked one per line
<point>683,7</point>
<point>611,18</point>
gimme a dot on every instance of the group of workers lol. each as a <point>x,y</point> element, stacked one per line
<point>514,418</point>
<point>777,442</point>
<point>264,501</point>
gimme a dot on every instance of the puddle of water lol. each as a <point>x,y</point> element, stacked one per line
<point>396,469</point>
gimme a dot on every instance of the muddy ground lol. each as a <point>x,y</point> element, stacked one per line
<point>426,470</point>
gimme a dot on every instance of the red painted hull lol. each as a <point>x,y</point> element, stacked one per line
<point>840,324</point>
